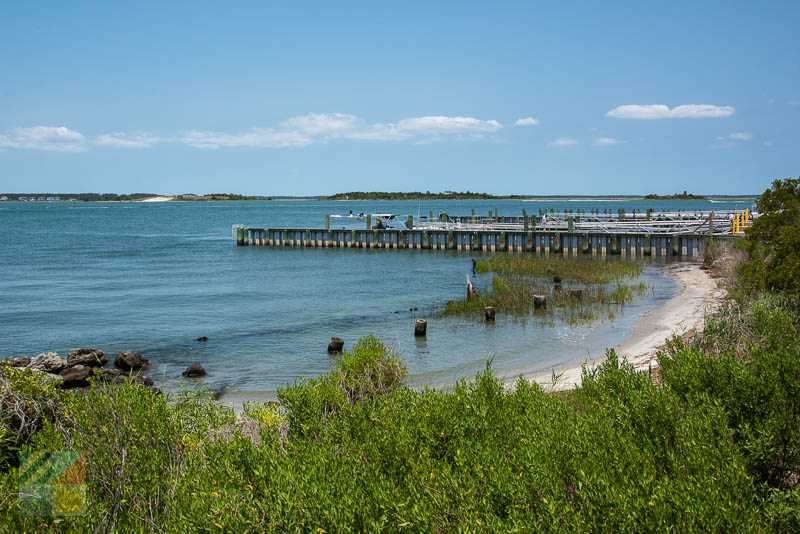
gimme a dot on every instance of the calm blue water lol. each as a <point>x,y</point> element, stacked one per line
<point>152,277</point>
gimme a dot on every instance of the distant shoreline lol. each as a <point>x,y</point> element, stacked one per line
<point>625,198</point>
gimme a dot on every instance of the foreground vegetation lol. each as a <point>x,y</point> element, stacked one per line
<point>710,444</point>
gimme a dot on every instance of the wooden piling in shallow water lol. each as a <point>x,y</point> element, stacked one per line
<point>420,327</point>
<point>335,345</point>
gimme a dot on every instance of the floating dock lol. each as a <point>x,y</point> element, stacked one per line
<point>632,235</point>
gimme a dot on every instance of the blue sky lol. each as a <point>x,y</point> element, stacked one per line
<point>314,98</point>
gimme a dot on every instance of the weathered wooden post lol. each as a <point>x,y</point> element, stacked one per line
<point>336,345</point>
<point>711,225</point>
<point>420,327</point>
<point>369,221</point>
<point>488,312</point>
<point>327,222</point>
<point>410,223</point>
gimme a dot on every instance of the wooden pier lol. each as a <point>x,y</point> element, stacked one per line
<point>631,235</point>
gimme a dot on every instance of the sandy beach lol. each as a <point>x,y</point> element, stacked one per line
<point>157,199</point>
<point>699,297</point>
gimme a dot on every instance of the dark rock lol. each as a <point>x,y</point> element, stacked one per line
<point>130,361</point>
<point>336,345</point>
<point>115,376</point>
<point>50,362</point>
<point>540,301</point>
<point>202,338</point>
<point>144,380</point>
<point>488,312</point>
<point>18,361</point>
<point>194,370</point>
<point>87,357</point>
<point>76,376</point>
<point>111,375</point>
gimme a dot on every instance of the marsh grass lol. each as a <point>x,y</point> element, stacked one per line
<point>605,286</point>
<point>580,271</point>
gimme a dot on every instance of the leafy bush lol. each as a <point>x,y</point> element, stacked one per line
<point>28,400</point>
<point>754,377</point>
<point>773,242</point>
<point>369,370</point>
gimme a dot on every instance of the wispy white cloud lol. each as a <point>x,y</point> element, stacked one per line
<point>740,136</point>
<point>54,138</point>
<point>563,142</point>
<point>794,102</point>
<point>323,123</point>
<point>527,121</point>
<point>320,127</point>
<point>255,137</point>
<point>441,124</point>
<point>725,141</point>
<point>297,131</point>
<point>607,141</point>
<point>660,111</point>
<point>126,140</point>
<point>768,142</point>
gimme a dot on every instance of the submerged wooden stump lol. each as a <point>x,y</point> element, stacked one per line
<point>576,293</point>
<point>556,279</point>
<point>420,327</point>
<point>540,301</point>
<point>336,345</point>
<point>488,311</point>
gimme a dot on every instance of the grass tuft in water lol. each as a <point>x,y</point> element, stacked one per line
<point>589,290</point>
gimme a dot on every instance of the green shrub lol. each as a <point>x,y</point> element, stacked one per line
<point>368,370</point>
<point>28,401</point>
<point>753,373</point>
<point>366,454</point>
<point>772,243</point>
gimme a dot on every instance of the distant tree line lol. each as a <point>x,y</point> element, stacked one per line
<point>413,195</point>
<point>81,196</point>
<point>676,196</point>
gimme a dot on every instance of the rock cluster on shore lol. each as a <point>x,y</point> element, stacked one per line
<point>83,363</point>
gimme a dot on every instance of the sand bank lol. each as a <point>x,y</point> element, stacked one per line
<point>699,297</point>
<point>157,199</point>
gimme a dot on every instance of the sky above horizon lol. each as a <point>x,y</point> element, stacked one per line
<point>299,98</point>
